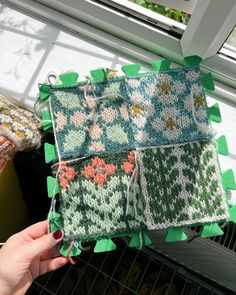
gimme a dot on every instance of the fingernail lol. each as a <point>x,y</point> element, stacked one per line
<point>57,234</point>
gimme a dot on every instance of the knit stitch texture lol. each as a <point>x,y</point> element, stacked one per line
<point>94,198</point>
<point>181,185</point>
<point>168,108</point>
<point>128,113</point>
<point>7,151</point>
<point>18,125</point>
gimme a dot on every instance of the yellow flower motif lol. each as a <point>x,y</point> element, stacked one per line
<point>20,134</point>
<point>165,87</point>
<point>136,110</point>
<point>6,126</point>
<point>199,101</point>
<point>170,123</point>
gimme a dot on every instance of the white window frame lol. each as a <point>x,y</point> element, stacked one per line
<point>134,37</point>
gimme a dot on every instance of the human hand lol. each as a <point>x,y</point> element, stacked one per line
<point>27,255</point>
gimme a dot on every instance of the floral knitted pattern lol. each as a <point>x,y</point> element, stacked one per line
<point>94,198</point>
<point>18,125</point>
<point>128,113</point>
<point>89,124</point>
<point>7,150</point>
<point>168,108</point>
<point>181,185</point>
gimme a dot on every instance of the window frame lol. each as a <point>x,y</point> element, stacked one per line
<point>109,27</point>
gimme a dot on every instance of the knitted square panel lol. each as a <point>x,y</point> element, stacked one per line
<point>128,113</point>
<point>168,107</point>
<point>181,185</point>
<point>92,122</point>
<point>94,198</point>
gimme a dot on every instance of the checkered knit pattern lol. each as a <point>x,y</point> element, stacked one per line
<point>128,113</point>
<point>7,151</point>
<point>18,125</point>
<point>181,185</point>
<point>94,196</point>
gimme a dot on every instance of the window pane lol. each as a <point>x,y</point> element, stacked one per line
<point>232,39</point>
<point>229,47</point>
<point>174,14</point>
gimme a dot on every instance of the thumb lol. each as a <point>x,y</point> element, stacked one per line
<point>46,242</point>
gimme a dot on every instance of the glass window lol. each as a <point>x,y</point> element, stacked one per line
<point>229,47</point>
<point>177,15</point>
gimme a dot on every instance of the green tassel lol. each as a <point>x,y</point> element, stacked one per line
<point>74,251</point>
<point>98,75</point>
<point>208,82</point>
<point>222,145</point>
<point>214,113</point>
<point>69,79</point>
<point>55,221</point>
<point>44,92</point>
<point>193,60</point>
<point>131,70</point>
<point>135,241</point>
<point>175,235</point>
<point>232,214</point>
<point>211,230</point>
<point>146,239</point>
<point>52,186</point>
<point>50,152</point>
<point>228,180</point>
<point>104,245</point>
<point>161,65</point>
<point>46,121</point>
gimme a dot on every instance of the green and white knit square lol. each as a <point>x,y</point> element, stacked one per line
<point>181,185</point>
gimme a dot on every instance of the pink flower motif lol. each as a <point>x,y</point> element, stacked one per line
<point>110,169</point>
<point>66,174</point>
<point>128,167</point>
<point>78,119</point>
<point>95,131</point>
<point>100,179</point>
<point>61,121</point>
<point>124,112</point>
<point>109,115</point>
<point>88,172</point>
<point>99,171</point>
<point>97,147</point>
<point>91,102</point>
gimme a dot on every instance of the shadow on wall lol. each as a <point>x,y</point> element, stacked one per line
<point>31,48</point>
